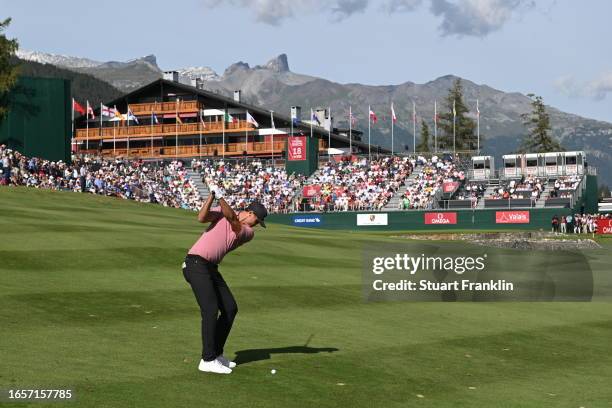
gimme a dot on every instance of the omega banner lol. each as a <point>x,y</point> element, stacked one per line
<point>441,218</point>
<point>297,148</point>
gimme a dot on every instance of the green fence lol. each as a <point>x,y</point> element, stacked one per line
<point>38,122</point>
<point>493,219</point>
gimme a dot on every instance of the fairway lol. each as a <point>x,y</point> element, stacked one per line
<point>92,297</point>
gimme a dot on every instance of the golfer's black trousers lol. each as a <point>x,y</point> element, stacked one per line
<point>217,304</point>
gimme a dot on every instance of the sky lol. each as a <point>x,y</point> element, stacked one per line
<point>559,49</point>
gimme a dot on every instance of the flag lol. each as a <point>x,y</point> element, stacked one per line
<point>314,117</point>
<point>272,120</point>
<point>106,111</point>
<point>477,110</point>
<point>202,120</point>
<point>454,110</point>
<point>130,116</point>
<point>351,116</point>
<point>117,113</point>
<point>393,117</point>
<point>414,118</point>
<point>154,118</point>
<point>77,107</point>
<point>373,116</point>
<point>90,111</point>
<point>178,119</point>
<point>250,119</point>
<point>229,118</point>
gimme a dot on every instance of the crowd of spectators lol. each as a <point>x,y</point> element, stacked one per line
<point>164,183</point>
<point>244,181</point>
<point>528,187</point>
<point>422,189</point>
<point>577,223</point>
<point>565,186</point>
<point>358,183</point>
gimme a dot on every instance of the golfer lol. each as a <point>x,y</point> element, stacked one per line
<point>218,308</point>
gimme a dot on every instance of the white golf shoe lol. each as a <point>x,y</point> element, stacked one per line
<point>214,366</point>
<point>226,362</point>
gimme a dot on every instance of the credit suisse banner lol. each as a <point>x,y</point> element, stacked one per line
<point>297,148</point>
<point>512,217</point>
<point>604,226</point>
<point>311,190</point>
<point>441,218</point>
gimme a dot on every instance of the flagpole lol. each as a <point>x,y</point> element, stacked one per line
<point>128,130</point>
<point>246,134</point>
<point>223,130</point>
<point>87,124</point>
<point>329,134</point>
<point>272,116</point>
<point>478,126</point>
<point>176,130</point>
<point>454,132</point>
<point>392,120</point>
<point>115,139</point>
<point>72,121</point>
<point>413,127</point>
<point>152,114</point>
<point>435,126</point>
<point>369,140</point>
<point>350,130</point>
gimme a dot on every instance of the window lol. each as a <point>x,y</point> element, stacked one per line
<point>532,162</point>
<point>570,160</point>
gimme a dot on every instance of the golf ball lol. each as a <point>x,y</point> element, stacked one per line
<point>273,371</point>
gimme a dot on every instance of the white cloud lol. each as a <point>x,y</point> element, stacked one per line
<point>459,17</point>
<point>476,17</point>
<point>596,89</point>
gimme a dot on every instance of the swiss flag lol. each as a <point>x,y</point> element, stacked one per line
<point>77,107</point>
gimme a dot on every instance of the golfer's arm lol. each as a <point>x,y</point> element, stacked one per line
<point>230,216</point>
<point>204,215</point>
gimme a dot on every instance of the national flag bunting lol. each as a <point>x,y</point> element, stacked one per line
<point>130,116</point>
<point>90,111</point>
<point>229,118</point>
<point>106,111</point>
<point>77,107</point>
<point>250,119</point>
<point>314,117</point>
<point>373,116</point>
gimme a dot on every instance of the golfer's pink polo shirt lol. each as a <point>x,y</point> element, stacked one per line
<point>219,238</point>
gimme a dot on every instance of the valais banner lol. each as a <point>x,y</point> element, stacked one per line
<point>441,218</point>
<point>297,148</point>
<point>512,217</point>
<point>311,190</point>
<point>604,226</point>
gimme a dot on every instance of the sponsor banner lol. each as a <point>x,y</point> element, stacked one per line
<point>512,217</point>
<point>307,220</point>
<point>311,190</point>
<point>297,148</point>
<point>372,219</point>
<point>449,187</point>
<point>604,226</point>
<point>441,218</point>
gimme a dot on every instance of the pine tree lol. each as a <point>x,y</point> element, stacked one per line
<point>423,145</point>
<point>537,122</point>
<point>8,71</point>
<point>465,127</point>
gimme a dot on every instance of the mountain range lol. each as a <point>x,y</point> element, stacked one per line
<point>276,87</point>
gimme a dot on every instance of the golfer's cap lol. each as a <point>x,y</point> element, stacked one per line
<point>259,210</point>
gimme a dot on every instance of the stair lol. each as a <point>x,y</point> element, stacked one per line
<point>491,187</point>
<point>541,202</point>
<point>393,204</point>
<point>196,178</point>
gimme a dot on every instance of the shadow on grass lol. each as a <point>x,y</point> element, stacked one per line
<point>251,355</point>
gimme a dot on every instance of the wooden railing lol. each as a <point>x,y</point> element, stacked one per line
<point>160,108</point>
<point>231,149</point>
<point>143,131</point>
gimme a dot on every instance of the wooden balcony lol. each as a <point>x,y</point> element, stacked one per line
<point>165,130</point>
<point>231,150</point>
<point>160,108</point>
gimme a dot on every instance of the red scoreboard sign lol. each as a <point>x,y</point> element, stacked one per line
<point>604,226</point>
<point>297,148</point>
<point>512,217</point>
<point>441,218</point>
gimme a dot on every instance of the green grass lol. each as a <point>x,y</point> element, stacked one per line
<point>93,297</point>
